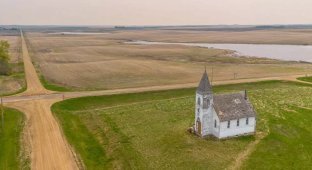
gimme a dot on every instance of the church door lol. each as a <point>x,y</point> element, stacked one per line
<point>198,127</point>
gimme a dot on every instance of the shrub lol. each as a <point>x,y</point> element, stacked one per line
<point>4,58</point>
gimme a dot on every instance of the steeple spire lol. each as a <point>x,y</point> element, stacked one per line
<point>204,86</point>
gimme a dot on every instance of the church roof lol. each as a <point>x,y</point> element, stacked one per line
<point>232,106</point>
<point>204,86</point>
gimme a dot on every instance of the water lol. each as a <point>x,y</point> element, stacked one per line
<point>79,33</point>
<point>281,52</point>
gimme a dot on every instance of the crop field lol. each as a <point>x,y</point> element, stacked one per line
<point>149,130</point>
<point>15,82</point>
<point>10,154</point>
<point>92,62</point>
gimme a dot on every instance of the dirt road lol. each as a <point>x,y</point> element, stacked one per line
<point>48,147</point>
<point>68,95</point>
<point>33,83</point>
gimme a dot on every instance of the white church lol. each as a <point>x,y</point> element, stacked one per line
<point>222,116</point>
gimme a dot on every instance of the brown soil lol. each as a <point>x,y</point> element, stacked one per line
<point>48,147</point>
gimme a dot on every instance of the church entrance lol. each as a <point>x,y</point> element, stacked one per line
<point>198,126</point>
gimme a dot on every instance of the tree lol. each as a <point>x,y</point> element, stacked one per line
<point>4,51</point>
<point>4,58</point>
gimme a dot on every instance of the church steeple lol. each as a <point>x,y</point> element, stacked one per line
<point>204,86</point>
<point>203,106</point>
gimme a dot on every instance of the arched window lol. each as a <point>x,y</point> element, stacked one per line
<point>247,121</point>
<point>215,123</point>
<point>229,124</point>
<point>198,111</point>
<point>198,100</point>
<point>237,122</point>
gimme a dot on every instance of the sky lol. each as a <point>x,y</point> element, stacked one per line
<point>155,12</point>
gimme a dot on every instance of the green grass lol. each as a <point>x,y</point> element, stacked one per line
<point>53,87</point>
<point>308,79</point>
<point>148,130</point>
<point>10,139</point>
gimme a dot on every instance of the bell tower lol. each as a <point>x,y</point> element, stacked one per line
<point>203,107</point>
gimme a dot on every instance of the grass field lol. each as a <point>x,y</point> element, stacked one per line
<point>149,130</point>
<point>10,139</point>
<point>54,87</point>
<point>308,79</point>
<point>14,83</point>
<point>273,36</point>
<point>88,62</point>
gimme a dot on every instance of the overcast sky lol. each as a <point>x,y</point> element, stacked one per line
<point>155,12</point>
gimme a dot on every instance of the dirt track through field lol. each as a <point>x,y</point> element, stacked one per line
<point>241,157</point>
<point>48,147</point>
<point>33,83</point>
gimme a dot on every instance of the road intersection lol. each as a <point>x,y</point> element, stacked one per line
<point>48,148</point>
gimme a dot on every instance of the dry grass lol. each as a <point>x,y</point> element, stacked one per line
<point>14,83</point>
<point>85,62</point>
<point>299,36</point>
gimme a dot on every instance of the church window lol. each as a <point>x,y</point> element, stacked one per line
<point>237,122</point>
<point>215,123</point>
<point>198,101</point>
<point>229,123</point>
<point>247,121</point>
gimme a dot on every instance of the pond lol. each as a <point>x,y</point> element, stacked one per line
<point>281,52</point>
<point>79,33</point>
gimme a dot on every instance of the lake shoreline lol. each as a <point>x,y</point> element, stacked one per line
<point>297,53</point>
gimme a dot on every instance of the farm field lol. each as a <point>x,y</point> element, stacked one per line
<point>10,149</point>
<point>156,85</point>
<point>94,62</point>
<point>149,130</point>
<point>15,82</point>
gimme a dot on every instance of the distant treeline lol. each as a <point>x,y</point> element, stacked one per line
<point>4,28</point>
<point>60,28</point>
<point>216,27</point>
<point>8,31</point>
<point>234,28</point>
<point>4,58</point>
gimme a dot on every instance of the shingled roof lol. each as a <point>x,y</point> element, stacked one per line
<point>232,106</point>
<point>204,86</point>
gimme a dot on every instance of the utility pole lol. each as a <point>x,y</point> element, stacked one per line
<point>2,114</point>
<point>235,76</point>
<point>211,75</point>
